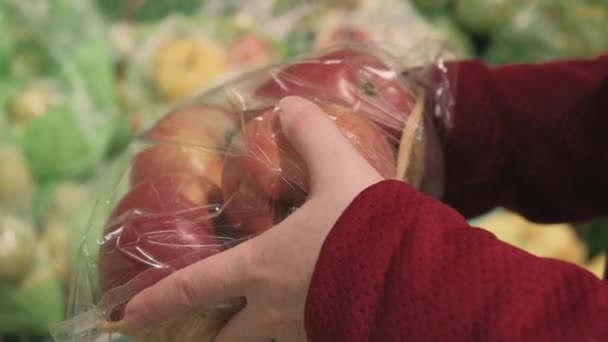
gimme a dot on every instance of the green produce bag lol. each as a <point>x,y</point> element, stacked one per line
<point>41,201</point>
<point>31,297</point>
<point>547,30</point>
<point>32,308</point>
<point>64,110</point>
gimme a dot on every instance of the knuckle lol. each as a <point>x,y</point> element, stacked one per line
<point>186,290</point>
<point>253,263</point>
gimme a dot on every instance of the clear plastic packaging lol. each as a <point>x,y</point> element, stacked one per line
<point>217,170</point>
<point>386,21</point>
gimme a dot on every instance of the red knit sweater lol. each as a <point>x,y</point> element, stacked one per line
<point>401,266</point>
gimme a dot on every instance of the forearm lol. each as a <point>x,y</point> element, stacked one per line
<point>531,138</point>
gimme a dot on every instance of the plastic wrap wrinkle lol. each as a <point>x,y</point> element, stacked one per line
<point>217,170</point>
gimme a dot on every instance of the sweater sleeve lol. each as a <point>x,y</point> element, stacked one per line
<point>532,138</point>
<point>400,266</point>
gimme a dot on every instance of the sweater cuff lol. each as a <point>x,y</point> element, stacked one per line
<point>359,234</point>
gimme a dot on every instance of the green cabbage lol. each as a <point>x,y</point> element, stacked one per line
<point>64,43</point>
<point>17,241</point>
<point>35,303</point>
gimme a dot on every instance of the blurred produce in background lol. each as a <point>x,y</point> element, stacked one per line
<point>511,31</point>
<point>81,78</point>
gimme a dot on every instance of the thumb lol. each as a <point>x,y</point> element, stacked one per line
<point>315,136</point>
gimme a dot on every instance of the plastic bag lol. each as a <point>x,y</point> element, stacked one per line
<point>59,103</point>
<point>30,295</point>
<point>217,170</point>
<point>384,21</point>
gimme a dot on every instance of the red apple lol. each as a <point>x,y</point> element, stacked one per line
<point>344,34</point>
<point>269,178</point>
<point>189,141</point>
<point>201,124</point>
<point>352,77</point>
<point>160,225</point>
<point>167,159</point>
<point>250,49</point>
<point>247,209</point>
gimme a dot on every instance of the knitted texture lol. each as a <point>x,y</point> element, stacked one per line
<point>401,266</point>
<point>531,138</point>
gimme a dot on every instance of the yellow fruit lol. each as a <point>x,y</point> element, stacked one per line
<point>16,183</point>
<point>56,239</point>
<point>68,197</point>
<point>596,265</point>
<point>17,248</point>
<point>28,105</point>
<point>558,241</point>
<point>507,227</point>
<point>187,65</point>
<point>33,102</point>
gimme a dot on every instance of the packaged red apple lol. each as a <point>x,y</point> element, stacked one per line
<point>217,170</point>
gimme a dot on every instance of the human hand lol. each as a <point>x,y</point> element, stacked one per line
<point>272,271</point>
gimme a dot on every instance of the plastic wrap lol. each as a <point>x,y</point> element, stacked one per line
<point>385,21</point>
<point>59,102</point>
<point>57,122</point>
<point>31,297</point>
<point>217,170</point>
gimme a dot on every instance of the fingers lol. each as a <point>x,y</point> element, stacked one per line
<point>327,153</point>
<point>212,280</point>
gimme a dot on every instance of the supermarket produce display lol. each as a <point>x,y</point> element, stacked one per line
<point>82,79</point>
<point>57,121</point>
<point>511,31</point>
<point>181,56</point>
